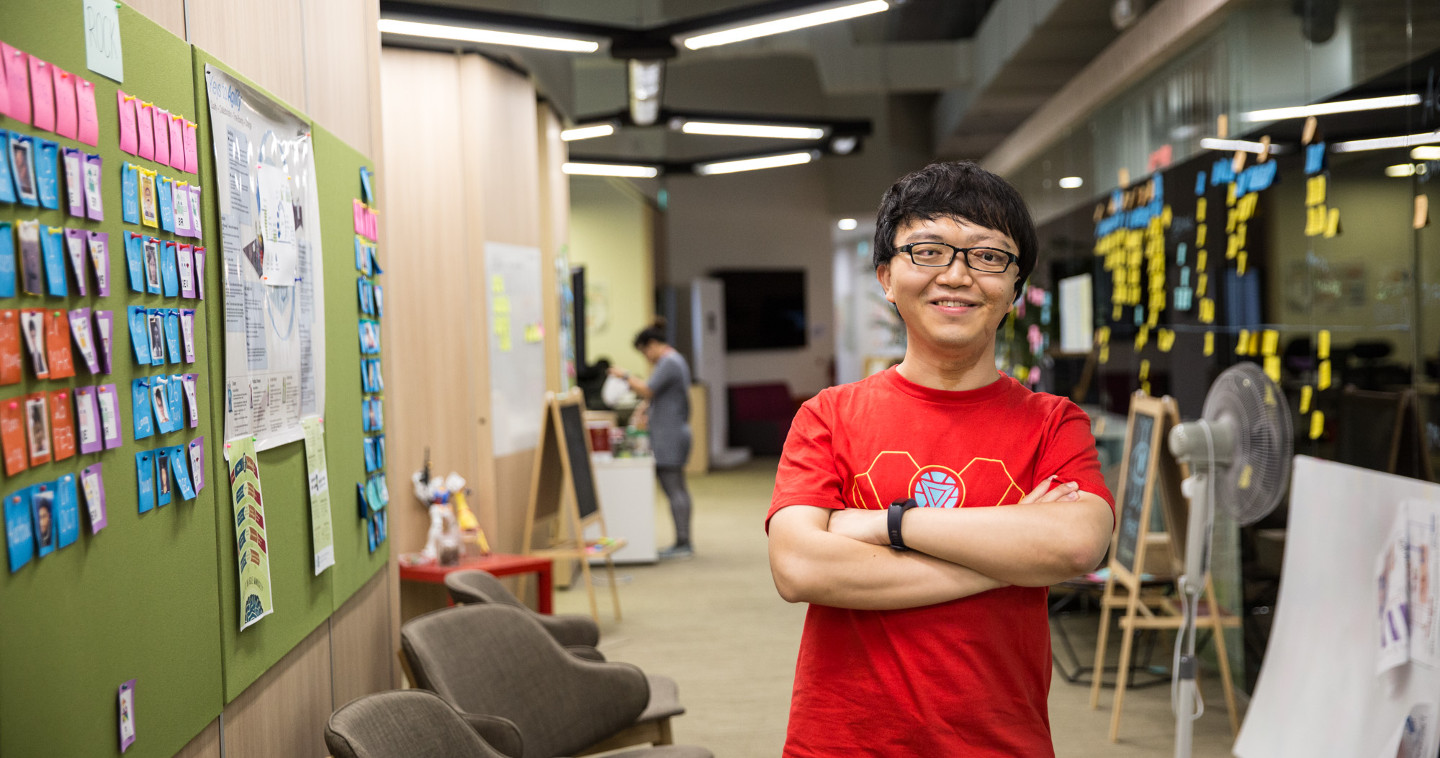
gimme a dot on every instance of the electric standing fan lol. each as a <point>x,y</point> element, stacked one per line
<point>1239,455</point>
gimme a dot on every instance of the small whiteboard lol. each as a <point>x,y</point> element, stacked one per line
<point>1077,314</point>
<point>517,346</point>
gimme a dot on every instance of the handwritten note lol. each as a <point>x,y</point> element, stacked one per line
<point>102,39</point>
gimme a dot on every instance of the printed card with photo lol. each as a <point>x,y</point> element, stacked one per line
<point>32,272</point>
<point>145,129</point>
<point>196,449</point>
<point>161,119</point>
<point>42,95</point>
<point>84,339</point>
<point>7,258</point>
<point>172,334</point>
<point>192,400</point>
<point>74,162</point>
<point>129,138</point>
<point>369,445</point>
<point>47,173</point>
<point>140,414</point>
<point>365,299</point>
<point>37,428</point>
<point>67,510</point>
<point>10,360</point>
<point>164,486</point>
<point>155,323</point>
<point>180,204</point>
<point>104,329</point>
<point>145,480</point>
<point>32,328</point>
<point>7,182</point>
<point>57,341</point>
<point>109,402</point>
<point>362,256</point>
<point>159,402</point>
<point>199,271</point>
<point>169,274</point>
<point>52,254</point>
<point>126,698</point>
<point>187,333</point>
<point>12,435</point>
<point>75,240</point>
<point>379,301</point>
<point>151,249</point>
<point>99,248</point>
<point>62,424</point>
<point>149,203</point>
<point>94,198</point>
<point>87,421</point>
<point>380,452</point>
<point>180,472</point>
<point>22,168</point>
<point>165,200</point>
<point>135,260</point>
<point>19,530</point>
<point>92,487</point>
<point>185,262</point>
<point>130,193</point>
<point>195,217</point>
<point>139,319</point>
<point>42,511</point>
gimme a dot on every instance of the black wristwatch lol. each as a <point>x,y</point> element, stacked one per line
<point>897,513</point>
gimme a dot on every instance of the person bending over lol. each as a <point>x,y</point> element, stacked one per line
<point>926,633</point>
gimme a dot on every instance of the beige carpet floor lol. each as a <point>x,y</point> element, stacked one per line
<point>716,624</point>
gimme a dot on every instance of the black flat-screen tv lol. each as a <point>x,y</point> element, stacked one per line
<point>764,308</point>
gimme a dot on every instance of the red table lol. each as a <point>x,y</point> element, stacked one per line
<point>499,564</point>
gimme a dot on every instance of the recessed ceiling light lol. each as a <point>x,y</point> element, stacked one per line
<point>587,132</point>
<point>1385,143</point>
<point>1400,170</point>
<point>771,131</point>
<point>486,36</point>
<point>784,24</point>
<point>1323,109</point>
<point>752,164</point>
<point>847,224</point>
<point>1071,182</point>
<point>634,171</point>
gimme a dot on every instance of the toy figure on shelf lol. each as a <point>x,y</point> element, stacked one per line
<point>449,515</point>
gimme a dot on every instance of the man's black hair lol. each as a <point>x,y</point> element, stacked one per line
<point>958,189</point>
<point>653,333</point>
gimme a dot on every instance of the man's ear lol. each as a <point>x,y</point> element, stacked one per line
<point>882,275</point>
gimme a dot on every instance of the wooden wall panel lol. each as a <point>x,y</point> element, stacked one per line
<point>554,234</point>
<point>506,125</point>
<point>285,711</point>
<point>205,745</point>
<point>169,14</point>
<point>261,38</point>
<point>339,35</point>
<point>361,649</point>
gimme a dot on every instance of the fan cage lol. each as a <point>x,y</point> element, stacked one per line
<point>1257,475</point>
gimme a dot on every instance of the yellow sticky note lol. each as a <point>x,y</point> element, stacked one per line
<point>1142,338</point>
<point>1246,474</point>
<point>1209,343</point>
<point>497,283</point>
<point>1200,206</point>
<point>1200,235</point>
<point>1145,387</point>
<point>1242,261</point>
<point>1322,345</point>
<point>1242,344</point>
<point>1317,424</point>
<point>1201,284</point>
<point>1104,353</point>
<point>1323,380</point>
<point>1254,348</point>
<point>1305,395</point>
<point>1102,335</point>
<point>1232,246</point>
<point>1332,223</point>
<point>1207,311</point>
<point>1144,370</point>
<point>1166,340</point>
<point>1270,342</point>
<point>1202,259</point>
<point>1272,368</point>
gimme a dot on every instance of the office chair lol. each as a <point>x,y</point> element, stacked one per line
<point>477,586</point>
<point>405,724</point>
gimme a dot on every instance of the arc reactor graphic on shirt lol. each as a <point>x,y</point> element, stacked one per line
<point>895,474</point>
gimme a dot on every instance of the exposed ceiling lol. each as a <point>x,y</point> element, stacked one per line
<point>934,78</point>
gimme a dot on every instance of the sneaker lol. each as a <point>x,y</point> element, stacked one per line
<point>677,552</point>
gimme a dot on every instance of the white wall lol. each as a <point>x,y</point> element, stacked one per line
<point>611,236</point>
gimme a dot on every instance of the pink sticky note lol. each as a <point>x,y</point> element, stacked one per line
<point>85,111</point>
<point>359,210</point>
<point>129,140</point>
<point>192,152</point>
<point>42,95</point>
<point>17,81</point>
<point>66,116</point>
<point>4,90</point>
<point>162,136</point>
<point>177,142</point>
<point>145,130</point>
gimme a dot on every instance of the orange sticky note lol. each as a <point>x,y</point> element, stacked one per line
<point>62,424</point>
<point>10,370</point>
<point>12,436</point>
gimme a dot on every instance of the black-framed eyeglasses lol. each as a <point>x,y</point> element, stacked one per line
<point>987,260</point>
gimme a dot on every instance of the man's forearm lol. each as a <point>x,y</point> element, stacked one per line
<point>1032,544</point>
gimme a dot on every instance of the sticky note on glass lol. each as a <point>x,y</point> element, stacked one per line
<point>103,53</point>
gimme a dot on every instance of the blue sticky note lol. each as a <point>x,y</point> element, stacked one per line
<point>380,451</point>
<point>140,334</point>
<point>145,479</point>
<point>180,469</point>
<point>362,500</point>
<point>52,249</point>
<point>165,189</point>
<point>19,534</point>
<point>172,334</point>
<point>135,260</point>
<point>169,272</point>
<point>67,509</point>
<point>375,269</point>
<point>140,408</point>
<point>7,257</point>
<point>42,514</point>
<point>164,482</point>
<point>7,183</point>
<point>47,172</point>
<point>379,301</point>
<point>362,256</point>
<point>369,454</point>
<point>372,495</point>
<point>130,193</point>
<point>367,194</point>
<point>175,400</point>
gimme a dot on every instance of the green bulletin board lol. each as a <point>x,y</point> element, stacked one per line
<point>153,596</point>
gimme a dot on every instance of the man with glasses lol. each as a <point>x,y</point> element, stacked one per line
<point>926,633</point>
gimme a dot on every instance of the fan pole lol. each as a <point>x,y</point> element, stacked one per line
<point>1197,558</point>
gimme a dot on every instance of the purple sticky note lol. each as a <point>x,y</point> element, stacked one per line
<point>87,421</point>
<point>197,462</point>
<point>127,715</point>
<point>17,81</point>
<point>94,198</point>
<point>185,262</point>
<point>85,112</point>
<point>109,402</point>
<point>92,491</point>
<point>104,333</point>
<point>67,117</point>
<point>75,243</point>
<point>129,134</point>
<point>42,95</point>
<point>161,119</point>
<point>145,130</point>
<point>192,152</point>
<point>83,334</point>
<point>177,142</point>
<point>100,261</point>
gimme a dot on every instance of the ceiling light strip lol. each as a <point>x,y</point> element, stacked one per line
<point>753,130</point>
<point>786,24</point>
<point>1385,143</point>
<point>1212,143</point>
<point>1325,109</point>
<point>587,132</point>
<point>486,36</point>
<point>633,171</point>
<point>752,164</point>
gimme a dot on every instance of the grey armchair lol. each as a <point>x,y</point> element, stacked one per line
<point>404,724</point>
<point>495,664</point>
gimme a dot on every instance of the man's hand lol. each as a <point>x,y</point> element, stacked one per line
<point>870,526</point>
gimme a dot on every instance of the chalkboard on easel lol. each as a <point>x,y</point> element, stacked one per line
<point>577,448</point>
<point>1146,472</point>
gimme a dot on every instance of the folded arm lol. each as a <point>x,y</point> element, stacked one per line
<point>811,564</point>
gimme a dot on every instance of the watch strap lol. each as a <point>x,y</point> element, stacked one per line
<point>893,519</point>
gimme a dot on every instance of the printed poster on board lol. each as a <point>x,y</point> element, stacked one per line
<point>252,551</point>
<point>271,264</point>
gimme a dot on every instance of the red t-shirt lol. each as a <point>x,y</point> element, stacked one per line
<point>965,678</point>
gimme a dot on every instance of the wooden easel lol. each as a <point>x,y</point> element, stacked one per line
<point>562,487</point>
<point>1144,466</point>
